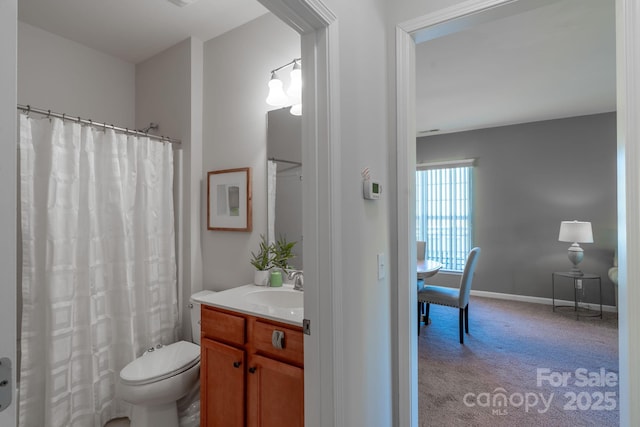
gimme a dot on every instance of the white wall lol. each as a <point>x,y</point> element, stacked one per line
<point>8,175</point>
<point>236,73</point>
<point>365,353</point>
<point>404,10</point>
<point>237,69</point>
<point>169,93</point>
<point>60,75</point>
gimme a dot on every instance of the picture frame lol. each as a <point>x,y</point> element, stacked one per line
<point>229,200</point>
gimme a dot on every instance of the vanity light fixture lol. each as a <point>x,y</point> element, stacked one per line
<point>295,89</point>
<point>296,109</point>
<point>293,97</point>
<point>276,96</point>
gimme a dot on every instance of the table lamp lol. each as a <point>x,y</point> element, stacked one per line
<point>575,232</point>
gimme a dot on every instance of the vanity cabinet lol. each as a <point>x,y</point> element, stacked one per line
<point>245,378</point>
<point>222,378</point>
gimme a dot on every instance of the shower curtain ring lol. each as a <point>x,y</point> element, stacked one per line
<point>28,109</point>
<point>48,114</point>
<point>63,114</point>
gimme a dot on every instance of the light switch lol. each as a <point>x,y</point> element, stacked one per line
<point>382,266</point>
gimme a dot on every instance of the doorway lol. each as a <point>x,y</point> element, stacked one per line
<point>627,136</point>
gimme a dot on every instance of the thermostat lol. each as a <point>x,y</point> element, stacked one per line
<point>371,189</point>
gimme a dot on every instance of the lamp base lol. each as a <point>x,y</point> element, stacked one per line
<point>576,254</point>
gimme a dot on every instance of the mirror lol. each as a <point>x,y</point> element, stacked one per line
<point>284,180</point>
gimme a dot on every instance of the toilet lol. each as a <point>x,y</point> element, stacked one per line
<point>155,381</point>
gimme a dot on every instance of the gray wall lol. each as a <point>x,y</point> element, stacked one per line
<point>237,69</point>
<point>528,179</point>
<point>63,76</point>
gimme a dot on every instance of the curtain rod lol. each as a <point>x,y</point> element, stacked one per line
<point>273,159</point>
<point>28,109</point>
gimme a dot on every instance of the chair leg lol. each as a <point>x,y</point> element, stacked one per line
<point>466,318</point>
<point>426,314</point>
<point>460,319</point>
<point>419,314</point>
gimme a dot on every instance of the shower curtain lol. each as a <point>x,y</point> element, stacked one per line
<point>272,171</point>
<point>98,266</point>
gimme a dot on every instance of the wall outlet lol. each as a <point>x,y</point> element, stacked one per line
<point>382,267</point>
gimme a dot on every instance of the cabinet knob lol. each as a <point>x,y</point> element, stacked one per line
<point>252,369</point>
<point>237,364</point>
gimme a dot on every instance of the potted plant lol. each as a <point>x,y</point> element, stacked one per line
<point>282,253</point>
<point>262,261</point>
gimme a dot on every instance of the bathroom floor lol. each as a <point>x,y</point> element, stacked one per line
<point>118,422</point>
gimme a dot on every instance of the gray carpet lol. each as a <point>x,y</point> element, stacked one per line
<point>508,343</point>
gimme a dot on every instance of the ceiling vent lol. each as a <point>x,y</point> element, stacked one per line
<point>182,3</point>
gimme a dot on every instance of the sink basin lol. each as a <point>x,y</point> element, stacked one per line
<point>277,298</point>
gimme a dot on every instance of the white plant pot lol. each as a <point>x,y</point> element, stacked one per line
<point>261,277</point>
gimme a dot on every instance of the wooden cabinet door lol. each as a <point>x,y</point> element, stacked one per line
<point>275,393</point>
<point>222,385</point>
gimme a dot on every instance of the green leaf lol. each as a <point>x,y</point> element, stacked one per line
<point>263,260</point>
<point>282,253</point>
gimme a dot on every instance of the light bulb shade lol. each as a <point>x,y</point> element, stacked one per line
<point>295,86</point>
<point>296,110</point>
<point>575,232</point>
<point>276,96</point>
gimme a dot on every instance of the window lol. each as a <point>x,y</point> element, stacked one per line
<point>444,211</point>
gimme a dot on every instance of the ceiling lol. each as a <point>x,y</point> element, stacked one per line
<point>135,30</point>
<point>535,63</point>
<point>546,62</point>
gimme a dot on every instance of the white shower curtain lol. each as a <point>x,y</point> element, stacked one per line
<point>98,267</point>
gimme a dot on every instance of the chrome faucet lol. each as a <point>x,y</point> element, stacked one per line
<point>298,279</point>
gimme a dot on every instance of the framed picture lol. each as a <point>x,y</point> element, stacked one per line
<point>229,200</point>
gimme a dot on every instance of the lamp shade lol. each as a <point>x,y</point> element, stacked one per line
<point>575,232</point>
<point>276,96</point>
<point>295,86</point>
<point>296,110</point>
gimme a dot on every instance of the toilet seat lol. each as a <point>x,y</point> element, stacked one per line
<point>161,363</point>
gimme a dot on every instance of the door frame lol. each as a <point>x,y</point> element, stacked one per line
<point>318,28</point>
<point>8,209</point>
<point>628,187</point>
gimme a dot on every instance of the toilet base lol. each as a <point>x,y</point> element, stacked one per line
<point>155,416</point>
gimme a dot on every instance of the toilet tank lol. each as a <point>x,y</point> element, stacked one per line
<point>194,306</point>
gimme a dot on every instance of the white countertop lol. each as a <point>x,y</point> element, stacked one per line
<point>236,299</point>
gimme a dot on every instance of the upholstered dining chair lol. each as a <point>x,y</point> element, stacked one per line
<point>458,298</point>
<point>421,247</point>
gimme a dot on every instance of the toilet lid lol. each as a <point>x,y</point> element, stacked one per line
<point>161,363</point>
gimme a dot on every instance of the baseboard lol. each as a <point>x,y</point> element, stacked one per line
<point>540,300</point>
